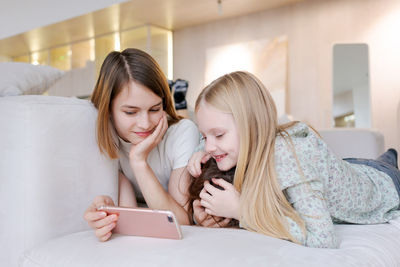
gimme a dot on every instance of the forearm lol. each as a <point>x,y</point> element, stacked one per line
<point>320,232</point>
<point>126,194</point>
<point>155,195</point>
<point>317,235</point>
<point>329,240</point>
<point>309,202</point>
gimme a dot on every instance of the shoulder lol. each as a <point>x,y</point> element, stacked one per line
<point>299,130</point>
<point>181,140</point>
<point>182,126</point>
<point>300,135</point>
<point>182,131</point>
<point>294,153</point>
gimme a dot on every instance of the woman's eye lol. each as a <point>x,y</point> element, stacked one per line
<point>154,110</point>
<point>219,135</point>
<point>129,112</point>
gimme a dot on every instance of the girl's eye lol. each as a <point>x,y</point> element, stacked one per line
<point>219,135</point>
<point>129,112</point>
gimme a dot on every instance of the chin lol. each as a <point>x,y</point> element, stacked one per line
<point>224,166</point>
<point>136,140</point>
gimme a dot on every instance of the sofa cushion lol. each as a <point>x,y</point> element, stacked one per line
<point>26,79</point>
<point>362,245</point>
<point>50,169</point>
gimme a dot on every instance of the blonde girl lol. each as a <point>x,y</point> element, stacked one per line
<point>287,184</point>
<point>138,125</point>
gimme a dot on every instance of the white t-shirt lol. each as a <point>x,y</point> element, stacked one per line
<point>173,152</point>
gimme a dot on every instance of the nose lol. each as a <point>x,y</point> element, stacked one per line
<point>209,146</point>
<point>143,121</point>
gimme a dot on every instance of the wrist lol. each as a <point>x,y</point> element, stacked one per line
<point>138,164</point>
<point>137,158</point>
<point>236,214</point>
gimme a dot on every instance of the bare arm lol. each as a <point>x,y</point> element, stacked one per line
<point>155,195</point>
<point>126,194</point>
<point>153,192</point>
<point>178,187</point>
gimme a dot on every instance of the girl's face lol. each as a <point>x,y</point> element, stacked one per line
<point>221,135</point>
<point>135,112</point>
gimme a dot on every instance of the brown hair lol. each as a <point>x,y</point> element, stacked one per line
<point>117,70</point>
<point>209,170</point>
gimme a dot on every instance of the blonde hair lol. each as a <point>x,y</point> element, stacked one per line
<point>118,69</point>
<point>263,206</point>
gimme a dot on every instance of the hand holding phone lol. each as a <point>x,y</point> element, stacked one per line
<point>99,221</point>
<point>145,222</point>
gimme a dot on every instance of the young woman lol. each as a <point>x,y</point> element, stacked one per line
<point>137,123</point>
<point>288,184</point>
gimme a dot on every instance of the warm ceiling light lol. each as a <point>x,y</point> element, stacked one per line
<point>117,42</point>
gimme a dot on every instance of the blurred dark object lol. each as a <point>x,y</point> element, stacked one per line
<point>178,89</point>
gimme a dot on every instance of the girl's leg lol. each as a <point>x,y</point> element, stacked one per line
<point>386,163</point>
<point>390,157</point>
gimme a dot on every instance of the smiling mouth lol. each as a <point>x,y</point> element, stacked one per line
<point>218,158</point>
<point>143,134</point>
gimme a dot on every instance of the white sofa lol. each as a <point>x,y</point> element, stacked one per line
<point>51,169</point>
<point>354,143</point>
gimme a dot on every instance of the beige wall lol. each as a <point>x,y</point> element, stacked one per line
<point>4,59</point>
<point>312,27</point>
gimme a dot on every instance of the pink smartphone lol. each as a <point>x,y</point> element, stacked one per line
<point>145,222</point>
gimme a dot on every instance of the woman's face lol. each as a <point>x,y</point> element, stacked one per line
<point>221,135</point>
<point>135,112</point>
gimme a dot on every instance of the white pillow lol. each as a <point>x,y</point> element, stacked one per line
<point>26,79</point>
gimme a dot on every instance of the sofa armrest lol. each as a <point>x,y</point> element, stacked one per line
<point>50,169</point>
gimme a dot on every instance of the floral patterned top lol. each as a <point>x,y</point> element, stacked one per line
<point>328,189</point>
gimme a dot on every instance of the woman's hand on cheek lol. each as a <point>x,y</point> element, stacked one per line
<point>223,203</point>
<point>140,151</point>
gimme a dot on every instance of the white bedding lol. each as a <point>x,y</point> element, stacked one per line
<point>362,245</point>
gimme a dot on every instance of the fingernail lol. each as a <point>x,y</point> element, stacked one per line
<point>103,214</point>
